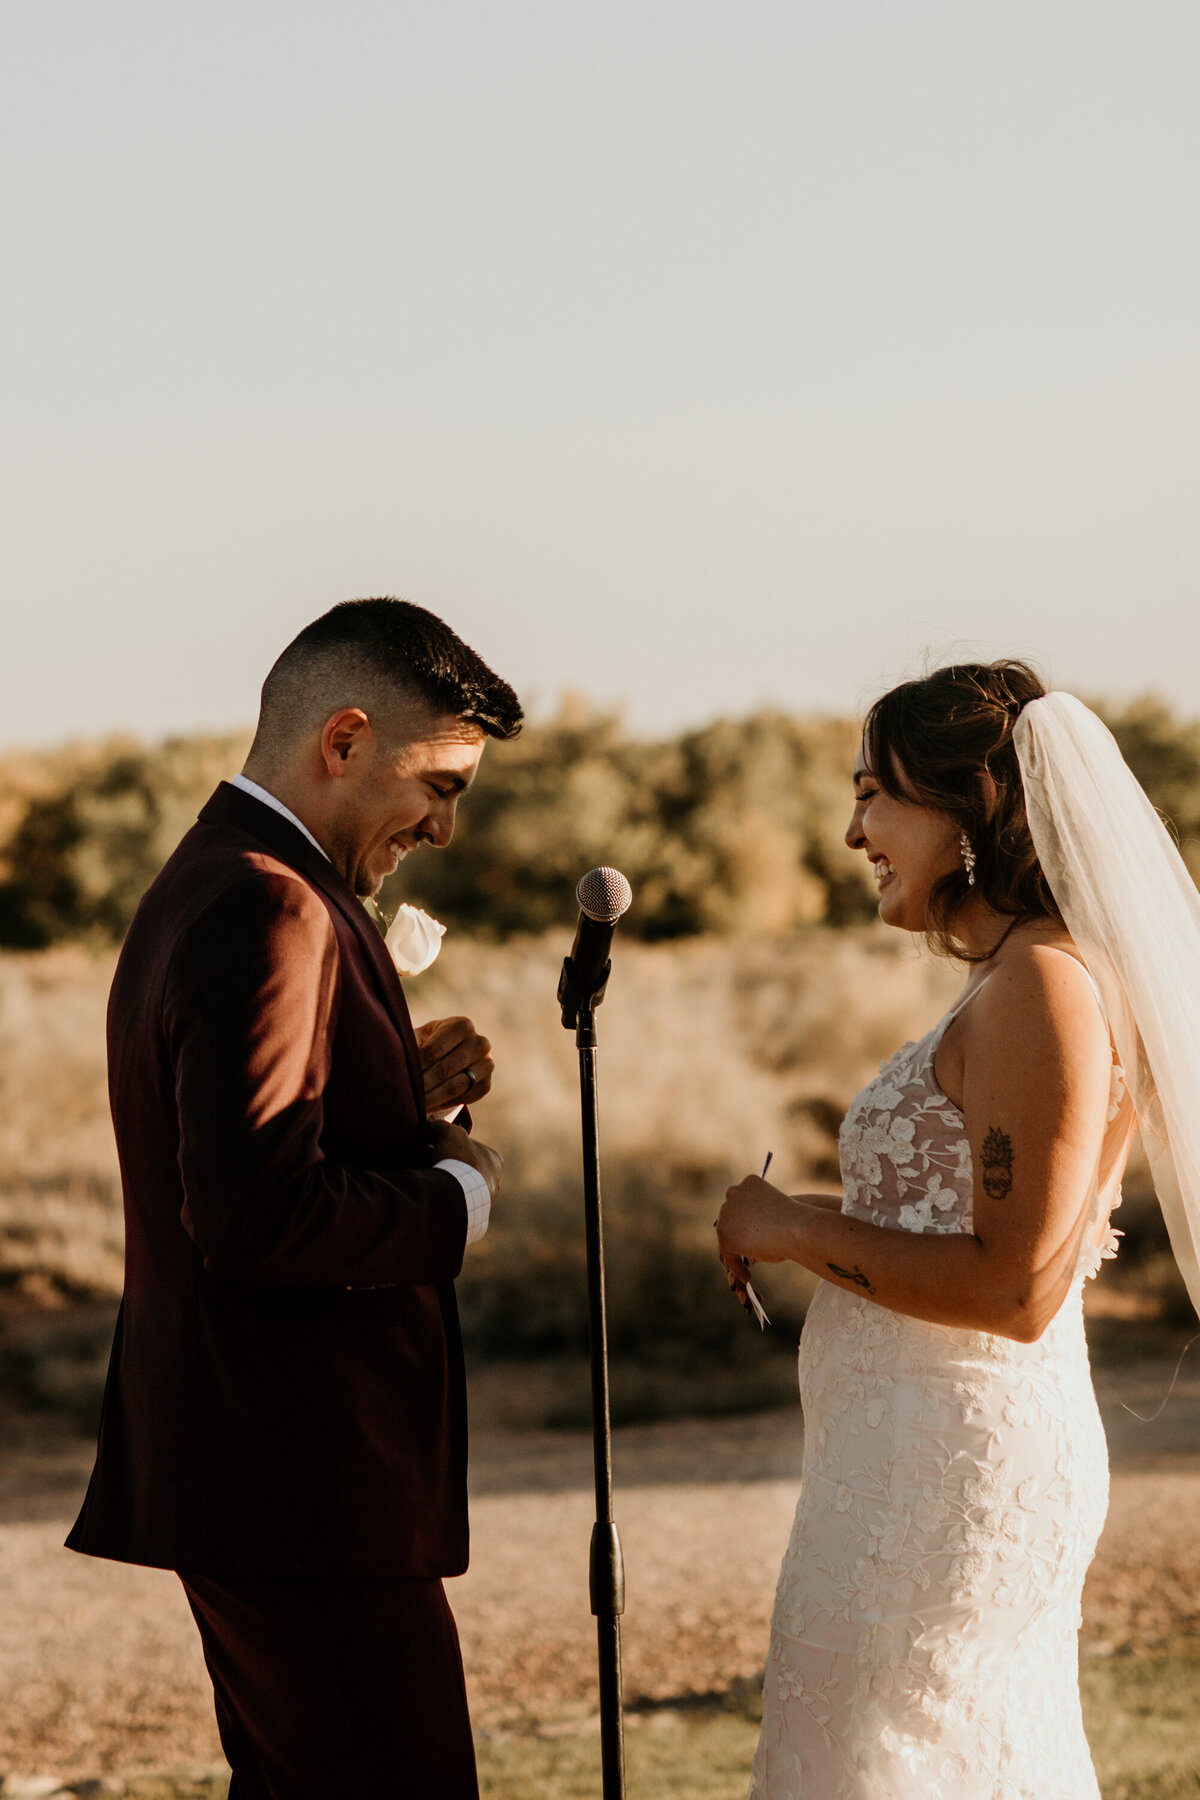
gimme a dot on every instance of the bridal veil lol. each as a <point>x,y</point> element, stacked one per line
<point>1133,910</point>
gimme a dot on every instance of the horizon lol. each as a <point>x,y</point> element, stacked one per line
<point>570,707</point>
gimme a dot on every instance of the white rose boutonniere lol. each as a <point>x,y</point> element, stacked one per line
<point>414,940</point>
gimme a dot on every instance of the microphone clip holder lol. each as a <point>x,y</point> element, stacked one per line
<point>571,996</point>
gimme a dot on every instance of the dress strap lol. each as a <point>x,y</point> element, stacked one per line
<point>1077,960</point>
<point>966,1001</point>
<point>1091,979</point>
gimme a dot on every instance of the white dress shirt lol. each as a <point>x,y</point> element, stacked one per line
<point>285,812</point>
<point>475,1189</point>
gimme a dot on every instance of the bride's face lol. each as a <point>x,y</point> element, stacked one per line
<point>910,848</point>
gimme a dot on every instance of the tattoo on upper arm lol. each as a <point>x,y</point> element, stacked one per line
<point>997,1155</point>
<point>855,1275</point>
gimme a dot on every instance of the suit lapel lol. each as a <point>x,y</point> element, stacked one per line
<point>230,806</point>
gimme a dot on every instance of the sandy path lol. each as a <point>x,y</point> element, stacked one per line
<point>100,1668</point>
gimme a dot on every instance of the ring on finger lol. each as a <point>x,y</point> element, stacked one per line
<point>471,1078</point>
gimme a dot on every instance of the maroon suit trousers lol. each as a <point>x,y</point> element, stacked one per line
<point>331,1688</point>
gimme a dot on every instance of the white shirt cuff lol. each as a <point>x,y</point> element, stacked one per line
<point>475,1192</point>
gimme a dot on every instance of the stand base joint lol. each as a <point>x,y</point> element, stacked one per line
<point>606,1572</point>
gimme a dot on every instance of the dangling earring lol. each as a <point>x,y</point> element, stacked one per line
<point>968,856</point>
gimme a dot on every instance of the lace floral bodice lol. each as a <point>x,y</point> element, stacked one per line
<point>906,1159</point>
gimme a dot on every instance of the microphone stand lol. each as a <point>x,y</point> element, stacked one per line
<point>606,1574</point>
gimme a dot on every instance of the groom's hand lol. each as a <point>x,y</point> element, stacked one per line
<point>456,1063</point>
<point>449,1140</point>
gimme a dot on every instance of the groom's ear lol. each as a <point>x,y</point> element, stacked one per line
<point>346,735</point>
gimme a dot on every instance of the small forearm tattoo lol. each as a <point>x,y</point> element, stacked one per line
<point>855,1275</point>
<point>997,1156</point>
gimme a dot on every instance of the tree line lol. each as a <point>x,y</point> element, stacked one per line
<point>732,828</point>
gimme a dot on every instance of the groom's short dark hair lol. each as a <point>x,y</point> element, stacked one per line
<point>375,654</point>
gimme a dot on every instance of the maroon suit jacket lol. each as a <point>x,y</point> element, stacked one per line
<point>286,1392</point>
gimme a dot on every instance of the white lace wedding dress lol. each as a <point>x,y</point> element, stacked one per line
<point>924,1643</point>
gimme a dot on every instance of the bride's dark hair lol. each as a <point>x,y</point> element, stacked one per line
<point>934,741</point>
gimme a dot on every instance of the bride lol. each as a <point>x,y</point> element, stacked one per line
<point>955,1475</point>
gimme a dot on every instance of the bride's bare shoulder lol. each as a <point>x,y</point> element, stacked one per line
<point>1036,953</point>
<point>1036,1005</point>
<point>1041,980</point>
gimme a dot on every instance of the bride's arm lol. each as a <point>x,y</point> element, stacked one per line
<point>1036,1067</point>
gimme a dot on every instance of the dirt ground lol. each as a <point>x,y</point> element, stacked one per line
<point>100,1668</point>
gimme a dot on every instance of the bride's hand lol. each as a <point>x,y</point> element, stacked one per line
<point>755,1224</point>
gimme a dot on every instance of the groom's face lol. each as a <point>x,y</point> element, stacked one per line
<point>400,792</point>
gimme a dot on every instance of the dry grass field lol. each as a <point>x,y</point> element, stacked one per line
<point>711,1054</point>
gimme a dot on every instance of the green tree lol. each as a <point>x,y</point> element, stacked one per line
<point>1164,754</point>
<point>734,828</point>
<point>83,855</point>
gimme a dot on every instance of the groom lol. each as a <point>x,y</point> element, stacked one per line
<point>284,1422</point>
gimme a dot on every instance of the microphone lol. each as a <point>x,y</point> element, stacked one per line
<point>603,895</point>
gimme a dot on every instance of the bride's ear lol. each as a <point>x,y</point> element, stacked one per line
<point>991,794</point>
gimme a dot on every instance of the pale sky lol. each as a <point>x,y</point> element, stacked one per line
<point>691,355</point>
